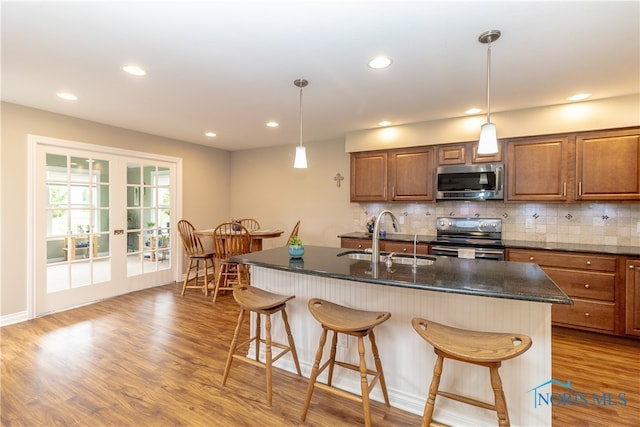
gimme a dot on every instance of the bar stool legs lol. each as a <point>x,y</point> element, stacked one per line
<point>262,303</point>
<point>486,349</point>
<point>352,322</point>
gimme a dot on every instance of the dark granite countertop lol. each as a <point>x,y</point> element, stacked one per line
<point>393,237</point>
<point>496,279</point>
<point>518,244</point>
<point>574,247</point>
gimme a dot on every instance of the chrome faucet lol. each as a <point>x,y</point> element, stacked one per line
<point>375,246</point>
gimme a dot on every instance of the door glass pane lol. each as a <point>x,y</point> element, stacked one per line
<point>78,221</point>
<point>134,172</point>
<point>101,169</point>
<point>133,219</point>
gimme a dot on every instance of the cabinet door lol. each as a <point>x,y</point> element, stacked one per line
<point>608,165</point>
<point>411,174</point>
<point>633,298</point>
<point>466,154</point>
<point>486,158</point>
<point>451,154</point>
<point>369,177</point>
<point>537,169</point>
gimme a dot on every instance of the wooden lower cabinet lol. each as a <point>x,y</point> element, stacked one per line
<point>632,323</point>
<point>404,247</point>
<point>593,282</point>
<point>351,243</point>
<point>385,245</point>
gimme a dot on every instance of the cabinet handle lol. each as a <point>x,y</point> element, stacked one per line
<point>588,262</point>
<point>531,258</point>
<point>586,286</point>
<point>580,188</point>
<point>564,189</point>
<point>587,315</point>
<point>632,267</point>
<point>359,246</point>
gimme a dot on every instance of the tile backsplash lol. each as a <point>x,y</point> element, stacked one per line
<point>587,223</point>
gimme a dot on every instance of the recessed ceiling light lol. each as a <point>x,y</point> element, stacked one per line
<point>384,123</point>
<point>134,70</point>
<point>579,97</point>
<point>272,124</point>
<point>379,62</point>
<point>472,111</point>
<point>210,134</point>
<point>67,96</point>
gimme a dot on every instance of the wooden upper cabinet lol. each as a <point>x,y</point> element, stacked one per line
<point>394,175</point>
<point>411,174</point>
<point>608,165</point>
<point>466,154</point>
<point>537,169</point>
<point>369,176</point>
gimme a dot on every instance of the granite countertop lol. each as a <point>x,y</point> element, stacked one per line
<point>394,237</point>
<point>517,244</point>
<point>496,279</point>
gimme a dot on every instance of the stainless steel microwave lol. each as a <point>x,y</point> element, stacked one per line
<point>470,182</point>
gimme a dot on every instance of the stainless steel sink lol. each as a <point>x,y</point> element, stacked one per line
<point>396,258</point>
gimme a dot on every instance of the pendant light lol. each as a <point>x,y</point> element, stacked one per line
<point>488,139</point>
<point>300,161</point>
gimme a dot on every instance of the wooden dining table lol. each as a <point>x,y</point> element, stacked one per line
<point>256,236</point>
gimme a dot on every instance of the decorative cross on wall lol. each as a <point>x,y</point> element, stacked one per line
<point>338,179</point>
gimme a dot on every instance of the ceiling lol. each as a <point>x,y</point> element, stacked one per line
<point>229,66</point>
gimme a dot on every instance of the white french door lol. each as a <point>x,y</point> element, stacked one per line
<point>103,222</point>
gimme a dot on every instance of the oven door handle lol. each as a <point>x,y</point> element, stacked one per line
<point>486,251</point>
<point>444,249</point>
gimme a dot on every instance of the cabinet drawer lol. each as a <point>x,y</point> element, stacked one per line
<point>582,284</point>
<point>586,314</point>
<point>355,243</point>
<point>563,260</point>
<point>404,247</point>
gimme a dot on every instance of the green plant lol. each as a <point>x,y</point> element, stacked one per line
<point>295,241</point>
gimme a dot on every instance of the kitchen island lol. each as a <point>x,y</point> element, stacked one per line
<point>473,294</point>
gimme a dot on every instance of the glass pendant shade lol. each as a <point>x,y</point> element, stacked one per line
<point>300,161</point>
<point>488,140</point>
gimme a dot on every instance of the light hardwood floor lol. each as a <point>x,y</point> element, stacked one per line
<point>153,358</point>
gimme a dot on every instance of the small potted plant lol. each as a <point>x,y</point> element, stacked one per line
<point>296,248</point>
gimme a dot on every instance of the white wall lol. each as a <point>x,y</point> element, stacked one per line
<point>606,113</point>
<point>264,185</point>
<point>205,181</point>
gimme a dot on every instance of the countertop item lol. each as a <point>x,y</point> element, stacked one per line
<point>496,279</point>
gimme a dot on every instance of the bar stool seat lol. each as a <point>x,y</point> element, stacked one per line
<point>487,349</point>
<point>358,323</point>
<point>264,303</point>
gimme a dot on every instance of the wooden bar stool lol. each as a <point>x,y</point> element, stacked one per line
<point>260,302</point>
<point>357,323</point>
<point>479,348</point>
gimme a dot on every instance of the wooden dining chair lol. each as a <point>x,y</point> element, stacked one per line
<point>295,230</point>
<point>250,224</point>
<point>200,260</point>
<point>229,239</point>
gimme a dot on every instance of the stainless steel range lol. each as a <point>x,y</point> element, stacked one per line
<point>469,238</point>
